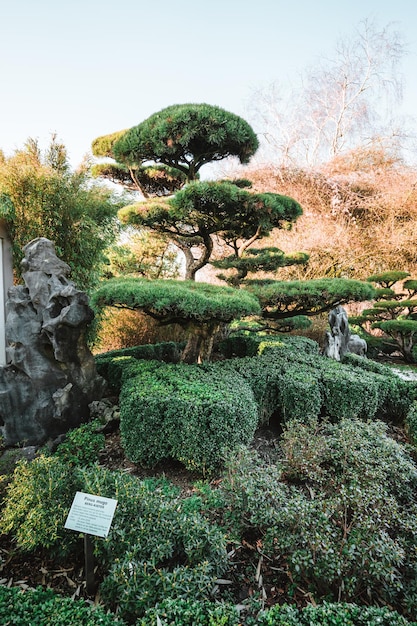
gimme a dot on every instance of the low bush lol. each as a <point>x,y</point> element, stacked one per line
<point>36,504</point>
<point>187,413</point>
<point>81,445</point>
<point>136,586</point>
<point>190,612</point>
<point>168,352</point>
<point>327,614</point>
<point>336,512</point>
<point>39,607</point>
<point>150,522</point>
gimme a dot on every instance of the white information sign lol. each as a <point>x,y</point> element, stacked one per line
<point>90,514</point>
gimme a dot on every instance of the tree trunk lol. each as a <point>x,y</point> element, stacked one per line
<point>200,344</point>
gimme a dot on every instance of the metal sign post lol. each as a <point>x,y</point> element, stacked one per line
<point>91,515</point>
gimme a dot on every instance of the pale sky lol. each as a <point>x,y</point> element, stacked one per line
<point>84,68</point>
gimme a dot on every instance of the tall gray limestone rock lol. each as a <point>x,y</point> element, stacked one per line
<point>50,378</point>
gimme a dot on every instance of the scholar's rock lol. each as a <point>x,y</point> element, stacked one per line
<point>50,378</point>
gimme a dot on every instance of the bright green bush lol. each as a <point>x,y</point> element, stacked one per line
<point>187,413</point>
<point>39,607</point>
<point>327,614</point>
<point>37,502</point>
<point>149,523</point>
<point>190,612</point>
<point>337,511</point>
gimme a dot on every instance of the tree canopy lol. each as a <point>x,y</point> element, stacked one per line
<point>186,137</point>
<point>283,299</point>
<point>203,209</point>
<point>200,308</point>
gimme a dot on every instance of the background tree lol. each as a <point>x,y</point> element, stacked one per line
<point>143,254</point>
<point>42,197</point>
<point>199,308</point>
<point>204,209</point>
<point>344,101</point>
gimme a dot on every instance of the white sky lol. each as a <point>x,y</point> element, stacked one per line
<point>84,68</point>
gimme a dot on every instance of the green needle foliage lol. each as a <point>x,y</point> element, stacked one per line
<point>257,260</point>
<point>282,299</point>
<point>204,209</point>
<point>186,137</point>
<point>200,308</point>
<point>394,312</point>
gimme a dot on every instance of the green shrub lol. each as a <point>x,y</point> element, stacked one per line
<point>136,586</point>
<point>190,612</point>
<point>239,346</point>
<point>348,392</point>
<point>39,607</point>
<point>81,445</point>
<point>150,521</point>
<point>337,512</point>
<point>37,502</point>
<point>151,524</point>
<point>300,393</point>
<point>411,424</point>
<point>187,413</point>
<point>327,614</point>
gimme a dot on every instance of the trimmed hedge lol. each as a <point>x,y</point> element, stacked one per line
<point>187,413</point>
<point>191,413</point>
<point>168,352</point>
<point>327,614</point>
<point>39,607</point>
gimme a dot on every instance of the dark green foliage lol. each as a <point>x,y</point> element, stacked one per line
<point>327,614</point>
<point>411,287</point>
<point>281,299</point>
<point>187,136</point>
<point>185,413</point>
<point>203,209</point>
<point>40,607</point>
<point>350,393</point>
<point>395,313</point>
<point>404,332</point>
<point>411,424</point>
<point>367,364</point>
<point>200,308</point>
<point>336,511</point>
<point>155,546</point>
<point>136,586</point>
<point>81,445</point>
<point>190,612</point>
<point>168,351</point>
<point>256,260</point>
<point>387,279</point>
